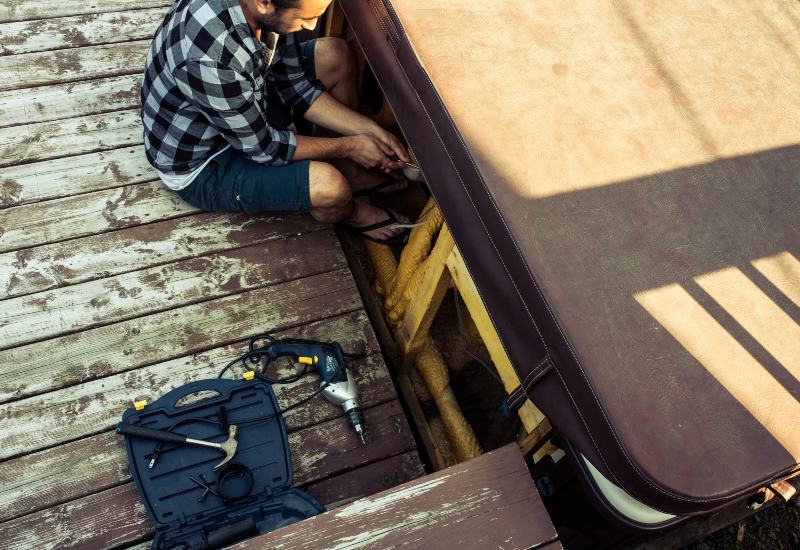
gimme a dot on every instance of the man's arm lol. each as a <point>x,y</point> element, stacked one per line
<point>308,99</point>
<point>329,113</point>
<point>364,149</point>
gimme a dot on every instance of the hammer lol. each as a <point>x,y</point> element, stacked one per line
<point>228,446</point>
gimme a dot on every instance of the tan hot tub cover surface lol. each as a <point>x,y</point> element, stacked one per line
<point>623,180</point>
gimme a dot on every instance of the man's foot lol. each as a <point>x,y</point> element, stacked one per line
<point>381,225</point>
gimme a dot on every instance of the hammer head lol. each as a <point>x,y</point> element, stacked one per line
<point>229,446</point>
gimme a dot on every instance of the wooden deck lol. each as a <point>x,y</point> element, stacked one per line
<point>114,290</point>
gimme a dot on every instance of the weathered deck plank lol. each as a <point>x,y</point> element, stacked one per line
<point>63,177</point>
<point>142,341</point>
<point>105,301</point>
<point>363,482</point>
<point>487,502</point>
<point>78,524</point>
<point>71,136</point>
<point>79,30</point>
<point>116,516</point>
<point>39,68</point>
<point>21,10</point>
<point>50,266</point>
<point>45,103</point>
<point>88,214</point>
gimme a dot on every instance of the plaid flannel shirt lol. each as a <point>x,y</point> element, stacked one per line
<point>205,86</point>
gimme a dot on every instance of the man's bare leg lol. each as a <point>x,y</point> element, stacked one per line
<point>332,202</point>
<point>335,66</point>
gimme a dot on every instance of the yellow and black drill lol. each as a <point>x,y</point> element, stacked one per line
<point>336,382</point>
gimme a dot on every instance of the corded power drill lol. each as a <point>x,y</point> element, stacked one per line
<point>328,359</point>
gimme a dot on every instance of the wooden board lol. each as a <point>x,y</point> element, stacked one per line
<point>104,301</point>
<point>363,482</point>
<point>89,213</point>
<point>49,266</point>
<point>72,136</point>
<point>20,10</point>
<point>52,179</point>
<point>35,69</point>
<point>487,502</point>
<point>101,351</point>
<point>75,99</point>
<point>77,31</point>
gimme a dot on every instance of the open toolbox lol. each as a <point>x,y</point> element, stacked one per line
<point>184,513</point>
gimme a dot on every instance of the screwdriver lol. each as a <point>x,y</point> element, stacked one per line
<point>397,159</point>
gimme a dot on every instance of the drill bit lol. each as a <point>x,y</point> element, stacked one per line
<point>360,433</point>
<point>357,420</point>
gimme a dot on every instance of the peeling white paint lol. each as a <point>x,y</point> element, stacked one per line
<point>369,504</point>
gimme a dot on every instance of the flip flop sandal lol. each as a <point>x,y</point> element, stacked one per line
<point>392,222</point>
<point>382,185</point>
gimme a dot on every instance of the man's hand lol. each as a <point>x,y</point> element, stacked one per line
<point>371,152</point>
<point>389,141</point>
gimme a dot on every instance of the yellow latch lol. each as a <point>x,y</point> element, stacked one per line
<point>139,405</point>
<point>249,375</point>
<point>306,360</point>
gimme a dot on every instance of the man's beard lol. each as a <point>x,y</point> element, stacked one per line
<point>273,23</point>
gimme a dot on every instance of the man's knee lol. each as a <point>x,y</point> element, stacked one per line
<point>327,185</point>
<point>333,56</point>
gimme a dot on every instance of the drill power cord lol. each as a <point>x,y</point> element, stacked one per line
<point>254,356</point>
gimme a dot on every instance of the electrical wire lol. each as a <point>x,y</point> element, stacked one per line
<point>480,361</point>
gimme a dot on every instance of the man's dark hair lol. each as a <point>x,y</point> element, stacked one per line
<point>285,4</point>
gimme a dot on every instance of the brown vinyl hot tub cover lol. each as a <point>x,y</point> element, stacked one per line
<point>623,181</point>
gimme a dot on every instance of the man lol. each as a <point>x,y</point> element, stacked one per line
<point>219,96</point>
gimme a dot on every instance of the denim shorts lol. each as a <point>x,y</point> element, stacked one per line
<point>233,183</point>
<point>230,182</point>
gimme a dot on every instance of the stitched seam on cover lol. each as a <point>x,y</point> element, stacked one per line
<point>520,396</point>
<point>380,18</point>
<point>544,370</point>
<point>539,365</point>
<point>540,371</point>
<point>522,389</point>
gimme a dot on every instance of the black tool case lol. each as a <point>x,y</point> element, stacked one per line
<point>172,499</point>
